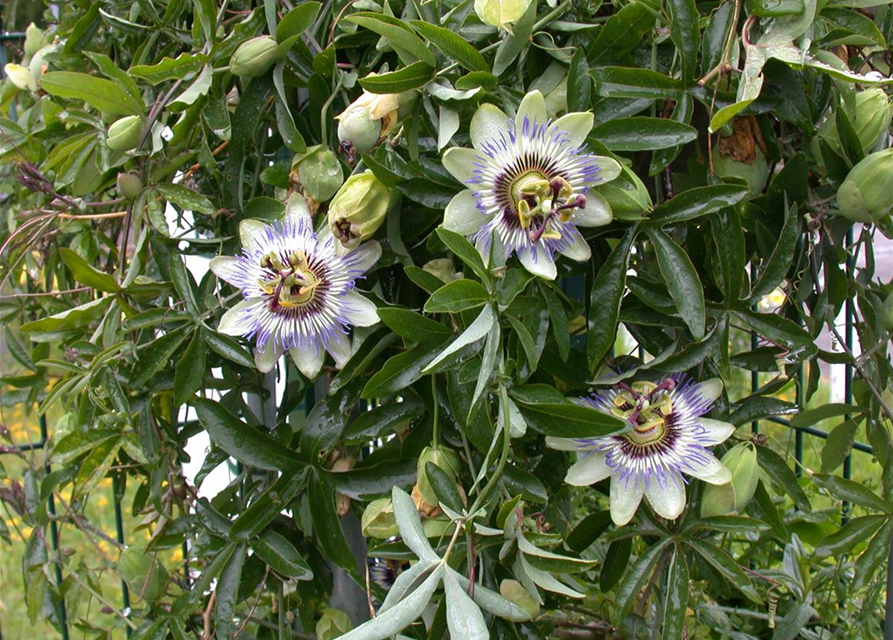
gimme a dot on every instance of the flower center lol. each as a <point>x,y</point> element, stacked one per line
<point>647,409</point>
<point>539,202</point>
<point>291,283</point>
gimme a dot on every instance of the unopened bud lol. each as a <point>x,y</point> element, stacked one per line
<point>358,209</point>
<point>742,156</point>
<point>129,185</point>
<point>870,121</point>
<point>253,57</point>
<point>500,13</point>
<point>35,39</point>
<point>514,591</point>
<point>445,459</point>
<point>867,193</point>
<point>378,519</point>
<point>370,118</point>
<point>627,195</point>
<point>124,133</point>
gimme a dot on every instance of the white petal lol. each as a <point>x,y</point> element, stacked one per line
<point>360,311</point>
<point>596,213</point>
<point>226,268</point>
<point>339,347</point>
<point>308,360</point>
<point>236,322</point>
<point>250,230</point>
<point>710,390</point>
<point>265,360</point>
<point>625,499</point>
<point>577,126</point>
<point>543,266</point>
<point>669,500</point>
<point>462,214</point>
<point>486,124</point>
<point>534,107</point>
<point>579,250</point>
<point>609,168</point>
<point>460,163</point>
<point>712,471</point>
<point>717,431</point>
<point>297,208</point>
<point>364,256</point>
<point>562,444</point>
<point>588,470</point>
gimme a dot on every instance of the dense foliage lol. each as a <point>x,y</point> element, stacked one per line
<point>490,283</point>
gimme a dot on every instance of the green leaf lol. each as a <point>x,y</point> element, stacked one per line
<point>228,348</point>
<point>475,331</point>
<point>100,93</point>
<point>579,83</point>
<point>264,509</point>
<point>632,83</point>
<point>697,202</point>
<point>682,281</point>
<point>281,556</point>
<point>156,356</point>
<point>677,594</point>
<point>604,301</point>
<point>416,75</point>
<point>399,34</point>
<point>727,566</point>
<point>623,31</point>
<point>780,330</point>
<point>464,617</point>
<point>87,274</point>
<point>320,499</point>
<point>297,21</point>
<point>191,369</point>
<point>851,491</point>
<point>400,371</point>
<point>811,417</point>
<point>793,622</point>
<point>782,476</point>
<point>183,282</point>
<point>616,560</point>
<point>70,318</point>
<point>569,420</point>
<point>412,326</point>
<point>856,531</point>
<point>228,592</point>
<point>728,240</point>
<point>246,444</point>
<point>444,487</point>
<point>456,296</point>
<point>410,526</point>
<point>465,251</point>
<point>512,46</point>
<point>186,198</point>
<point>636,577</point>
<point>776,268</point>
<point>377,422</point>
<point>550,561</point>
<point>838,445</point>
<point>170,68</point>
<point>452,45</point>
<point>686,35</point>
<point>492,602</point>
<point>643,133</point>
<point>588,531</point>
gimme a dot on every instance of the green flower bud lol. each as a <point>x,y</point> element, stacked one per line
<point>253,57</point>
<point>358,209</point>
<point>500,13</point>
<point>124,133</point>
<point>627,195</point>
<point>753,174</point>
<point>741,460</point>
<point>319,172</point>
<point>718,500</point>
<point>870,121</point>
<point>145,575</point>
<point>445,459</point>
<point>35,39</point>
<point>334,623</point>
<point>443,269</point>
<point>129,185</point>
<point>378,519</point>
<point>887,313</point>
<point>20,76</point>
<point>369,119</point>
<point>437,527</point>
<point>867,193</point>
<point>39,64</point>
<point>514,591</point>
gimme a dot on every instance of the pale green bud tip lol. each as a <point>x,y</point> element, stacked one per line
<point>253,57</point>
<point>129,185</point>
<point>124,133</point>
<point>358,209</point>
<point>741,461</point>
<point>359,129</point>
<point>369,119</point>
<point>867,193</point>
<point>35,39</point>
<point>378,519</point>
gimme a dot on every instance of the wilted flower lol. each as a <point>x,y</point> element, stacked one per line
<point>358,209</point>
<point>369,119</point>
<point>668,437</point>
<point>298,292</point>
<point>530,183</point>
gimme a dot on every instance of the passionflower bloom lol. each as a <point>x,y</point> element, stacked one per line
<point>298,292</point>
<point>668,437</point>
<point>529,183</point>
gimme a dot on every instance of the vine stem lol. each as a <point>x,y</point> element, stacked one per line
<point>506,441</point>
<point>435,437</point>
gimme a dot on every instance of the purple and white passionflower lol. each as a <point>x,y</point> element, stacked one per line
<point>668,438</point>
<point>530,181</point>
<point>298,292</point>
